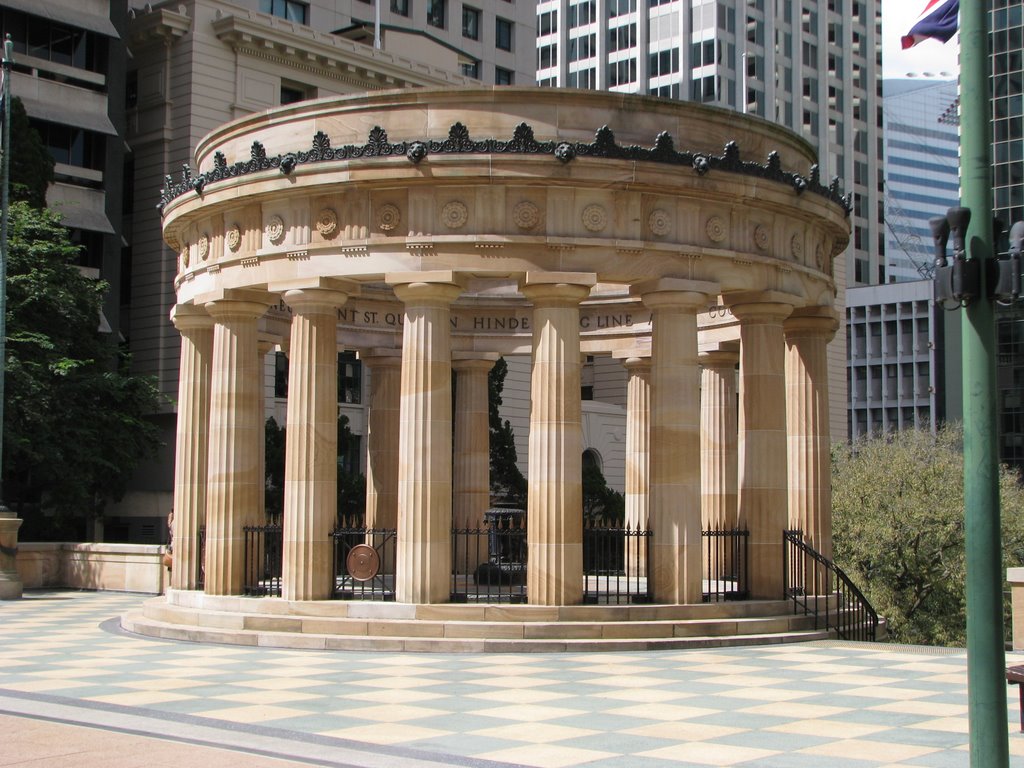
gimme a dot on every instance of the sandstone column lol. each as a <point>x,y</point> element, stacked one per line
<point>191,441</point>
<point>554,573</point>
<point>311,448</point>
<point>638,439</point>
<point>718,438</point>
<point>675,438</point>
<point>471,492</point>
<point>762,435</point>
<point>423,567</point>
<point>382,439</point>
<point>808,332</point>
<point>234,485</point>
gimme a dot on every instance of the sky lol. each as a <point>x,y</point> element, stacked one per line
<point>931,56</point>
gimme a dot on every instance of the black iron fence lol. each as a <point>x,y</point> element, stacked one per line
<point>263,548</point>
<point>615,559</point>
<point>726,564</point>
<point>489,563</point>
<point>364,561</point>
<point>818,587</point>
<point>201,559</point>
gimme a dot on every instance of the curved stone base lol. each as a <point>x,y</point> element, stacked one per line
<point>338,625</point>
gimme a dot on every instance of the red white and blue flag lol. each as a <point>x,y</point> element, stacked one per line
<point>939,24</point>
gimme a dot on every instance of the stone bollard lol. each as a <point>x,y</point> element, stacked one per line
<point>1015,576</point>
<point>10,582</point>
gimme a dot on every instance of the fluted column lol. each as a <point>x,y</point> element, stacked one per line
<point>638,439</point>
<point>191,440</point>
<point>311,447</point>
<point>471,492</point>
<point>234,485</point>
<point>675,438</point>
<point>808,332</point>
<point>718,439</point>
<point>555,492</point>
<point>763,497</point>
<point>382,439</point>
<point>423,567</point>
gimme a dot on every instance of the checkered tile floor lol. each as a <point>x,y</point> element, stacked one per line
<point>819,704</point>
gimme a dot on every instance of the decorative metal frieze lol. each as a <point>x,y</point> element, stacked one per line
<point>523,142</point>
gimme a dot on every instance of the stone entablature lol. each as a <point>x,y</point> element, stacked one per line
<point>553,243</point>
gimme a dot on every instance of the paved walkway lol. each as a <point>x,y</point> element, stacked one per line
<point>74,691</point>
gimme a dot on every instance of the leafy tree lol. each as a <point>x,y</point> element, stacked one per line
<point>507,482</point>
<point>273,467</point>
<point>31,162</point>
<point>898,529</point>
<point>75,420</point>
<point>600,502</point>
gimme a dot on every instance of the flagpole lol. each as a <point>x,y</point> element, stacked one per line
<point>986,655</point>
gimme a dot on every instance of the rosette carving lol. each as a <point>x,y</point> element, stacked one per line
<point>275,229</point>
<point>388,217</point>
<point>526,215</point>
<point>659,222</point>
<point>327,222</point>
<point>715,229</point>
<point>594,217</point>
<point>455,214</point>
<point>233,237</point>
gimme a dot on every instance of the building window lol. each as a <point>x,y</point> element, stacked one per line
<point>470,23</point>
<point>291,94</point>
<point>280,375</point>
<point>72,146</point>
<point>286,9</point>
<point>503,34</point>
<point>471,69</point>
<point>435,13</point>
<point>547,23</point>
<point>401,7</point>
<point>502,76</point>
<point>350,378</point>
<point>547,56</point>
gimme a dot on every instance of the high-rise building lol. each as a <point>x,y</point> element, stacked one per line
<point>922,170</point>
<point>1007,46</point>
<point>69,74</point>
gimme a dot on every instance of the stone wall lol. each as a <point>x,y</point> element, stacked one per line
<point>113,567</point>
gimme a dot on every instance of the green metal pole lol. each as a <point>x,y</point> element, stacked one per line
<point>5,174</point>
<point>986,657</point>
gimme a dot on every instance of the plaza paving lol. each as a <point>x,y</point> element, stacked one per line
<point>74,690</point>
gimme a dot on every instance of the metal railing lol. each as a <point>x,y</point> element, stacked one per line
<point>489,563</point>
<point>364,561</point>
<point>821,589</point>
<point>263,548</point>
<point>726,564</point>
<point>615,559</point>
<point>201,559</point>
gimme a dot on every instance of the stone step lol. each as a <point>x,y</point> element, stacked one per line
<point>560,638</point>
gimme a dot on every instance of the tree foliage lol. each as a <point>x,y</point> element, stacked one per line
<point>31,162</point>
<point>600,502</point>
<point>898,529</point>
<point>75,422</point>
<point>507,482</point>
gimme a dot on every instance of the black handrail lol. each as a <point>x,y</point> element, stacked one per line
<point>823,590</point>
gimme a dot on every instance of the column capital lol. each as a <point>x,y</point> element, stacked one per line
<point>439,286</point>
<point>241,303</point>
<point>720,356</point>
<point>554,288</point>
<point>638,364</point>
<point>474,361</point>
<point>747,306</point>
<point>381,358</point>
<point>675,293</point>
<point>189,317</point>
<point>812,321</point>
<point>316,294</point>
